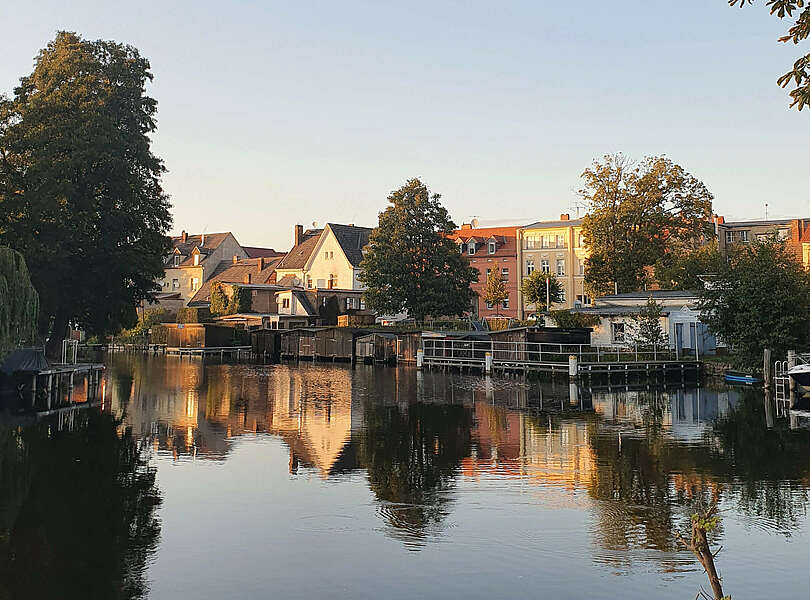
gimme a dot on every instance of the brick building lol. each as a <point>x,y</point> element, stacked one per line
<point>486,246</point>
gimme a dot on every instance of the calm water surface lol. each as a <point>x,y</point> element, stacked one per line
<point>205,480</point>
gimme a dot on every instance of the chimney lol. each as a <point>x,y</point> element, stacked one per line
<point>466,226</point>
<point>260,263</point>
<point>202,239</point>
<point>184,236</point>
<point>235,259</point>
<point>565,217</point>
<point>299,234</point>
<point>247,278</point>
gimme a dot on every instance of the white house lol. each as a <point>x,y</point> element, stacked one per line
<point>680,319</point>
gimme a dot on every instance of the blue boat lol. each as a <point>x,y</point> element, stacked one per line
<point>741,377</point>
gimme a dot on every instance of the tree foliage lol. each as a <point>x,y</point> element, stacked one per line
<point>495,292</point>
<point>19,302</point>
<point>410,264</point>
<point>759,299</point>
<point>533,289</point>
<point>799,75</point>
<point>573,320</point>
<point>636,213</point>
<point>646,329</point>
<point>219,300</point>
<point>80,192</point>
<point>687,269</point>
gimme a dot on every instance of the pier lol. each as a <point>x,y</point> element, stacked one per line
<point>221,351</point>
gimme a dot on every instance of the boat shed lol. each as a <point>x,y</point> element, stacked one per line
<point>377,346</point>
<point>527,343</point>
<point>202,335</point>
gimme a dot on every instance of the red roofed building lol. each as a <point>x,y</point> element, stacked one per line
<point>485,247</point>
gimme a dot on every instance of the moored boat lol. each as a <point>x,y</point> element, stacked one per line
<point>742,377</point>
<point>800,374</point>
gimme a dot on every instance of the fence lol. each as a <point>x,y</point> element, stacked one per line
<point>513,352</point>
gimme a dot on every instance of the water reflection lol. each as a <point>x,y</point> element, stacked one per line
<point>77,509</point>
<point>421,445</point>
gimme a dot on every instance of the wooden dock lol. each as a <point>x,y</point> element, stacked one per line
<point>221,351</point>
<point>54,385</point>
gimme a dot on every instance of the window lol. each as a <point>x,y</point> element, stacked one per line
<point>505,274</point>
<point>505,302</point>
<point>332,282</point>
<point>560,266</point>
<point>460,247</point>
<point>560,241</point>
<point>580,241</point>
<point>471,248</point>
<point>532,241</point>
<point>562,296</point>
<point>491,246</point>
<point>196,259</point>
<point>584,300</point>
<point>743,235</point>
<point>195,284</point>
<point>176,260</point>
<point>489,305</point>
<point>362,304</point>
<point>350,303</point>
<point>544,265</point>
<point>617,332</point>
<point>581,267</point>
<point>530,266</point>
<point>737,236</point>
<point>309,282</point>
<point>175,284</point>
<point>285,303</point>
<point>729,237</point>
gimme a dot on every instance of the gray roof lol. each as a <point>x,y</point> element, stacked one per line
<point>644,294</point>
<point>757,223</point>
<point>614,310</point>
<point>550,224</point>
<point>351,239</point>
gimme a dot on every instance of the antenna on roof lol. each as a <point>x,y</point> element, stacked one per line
<point>766,211</point>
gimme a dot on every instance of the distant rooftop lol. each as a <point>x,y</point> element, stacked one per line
<point>557,223</point>
<point>761,223</point>
<point>644,294</point>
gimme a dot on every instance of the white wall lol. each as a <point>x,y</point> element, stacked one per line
<point>328,259</point>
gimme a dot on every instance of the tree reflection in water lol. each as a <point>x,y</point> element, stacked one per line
<point>412,454</point>
<point>77,511</point>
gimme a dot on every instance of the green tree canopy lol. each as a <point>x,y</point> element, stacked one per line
<point>636,213</point>
<point>687,269</point>
<point>647,330</point>
<point>759,299</point>
<point>534,289</point>
<point>495,291</point>
<point>798,32</point>
<point>80,191</point>
<point>410,264</point>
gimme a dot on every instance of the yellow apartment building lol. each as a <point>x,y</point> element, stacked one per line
<point>554,247</point>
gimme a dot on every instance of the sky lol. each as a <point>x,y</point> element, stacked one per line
<point>276,113</point>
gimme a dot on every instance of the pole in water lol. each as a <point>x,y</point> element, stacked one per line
<point>766,367</point>
<point>488,362</point>
<point>420,359</point>
<point>791,360</point>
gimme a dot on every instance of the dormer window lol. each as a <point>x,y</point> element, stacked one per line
<point>196,260</point>
<point>491,247</point>
<point>471,248</point>
<point>176,260</point>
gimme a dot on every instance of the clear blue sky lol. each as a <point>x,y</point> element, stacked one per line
<point>272,113</point>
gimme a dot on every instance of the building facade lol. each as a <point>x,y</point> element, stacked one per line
<point>486,247</point>
<point>556,247</point>
<point>796,233</point>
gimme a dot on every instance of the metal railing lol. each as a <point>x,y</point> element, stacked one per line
<point>471,351</point>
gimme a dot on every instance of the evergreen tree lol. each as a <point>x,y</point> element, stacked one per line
<point>80,192</point>
<point>410,264</point>
<point>495,292</point>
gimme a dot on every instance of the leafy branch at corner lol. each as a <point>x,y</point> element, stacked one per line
<point>799,75</point>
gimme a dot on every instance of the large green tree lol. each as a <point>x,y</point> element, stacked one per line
<point>799,75</point>
<point>543,290</point>
<point>410,264</point>
<point>19,302</point>
<point>759,299</point>
<point>80,190</point>
<point>636,213</point>
<point>687,269</point>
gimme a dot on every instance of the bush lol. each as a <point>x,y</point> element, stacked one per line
<point>571,320</point>
<point>193,315</point>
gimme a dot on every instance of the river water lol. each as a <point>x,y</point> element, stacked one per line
<point>205,480</point>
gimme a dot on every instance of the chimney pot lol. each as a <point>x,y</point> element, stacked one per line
<point>565,217</point>
<point>202,239</point>
<point>184,236</point>
<point>299,234</point>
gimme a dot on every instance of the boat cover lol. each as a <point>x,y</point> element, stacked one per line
<point>24,360</point>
